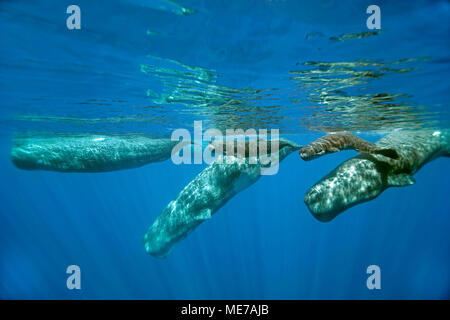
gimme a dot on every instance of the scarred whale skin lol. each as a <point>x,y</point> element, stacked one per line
<point>202,197</point>
<point>336,142</point>
<point>365,176</point>
<point>88,153</point>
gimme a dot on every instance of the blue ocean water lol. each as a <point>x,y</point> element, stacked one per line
<point>151,67</point>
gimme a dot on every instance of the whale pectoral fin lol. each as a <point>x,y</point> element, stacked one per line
<point>401,180</point>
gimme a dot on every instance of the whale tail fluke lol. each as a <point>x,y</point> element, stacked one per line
<point>390,153</point>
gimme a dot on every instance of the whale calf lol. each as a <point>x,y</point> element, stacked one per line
<point>336,142</point>
<point>202,197</point>
<point>365,176</point>
<point>89,153</point>
<point>245,148</point>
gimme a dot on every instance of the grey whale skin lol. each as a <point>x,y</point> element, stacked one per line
<point>365,176</point>
<point>89,153</point>
<point>202,197</point>
<point>336,142</point>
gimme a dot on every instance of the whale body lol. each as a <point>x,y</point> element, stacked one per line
<point>202,197</point>
<point>336,142</point>
<point>365,176</point>
<point>245,148</point>
<point>89,153</point>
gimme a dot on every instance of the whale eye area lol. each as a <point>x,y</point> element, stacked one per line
<point>307,153</point>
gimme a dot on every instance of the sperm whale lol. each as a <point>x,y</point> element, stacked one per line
<point>336,142</point>
<point>90,152</point>
<point>364,177</point>
<point>245,148</point>
<point>202,197</point>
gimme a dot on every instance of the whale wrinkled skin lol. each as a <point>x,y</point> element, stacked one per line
<point>365,176</point>
<point>202,197</point>
<point>89,153</point>
<point>336,142</point>
<point>245,148</point>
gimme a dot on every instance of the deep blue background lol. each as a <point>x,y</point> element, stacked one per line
<point>263,244</point>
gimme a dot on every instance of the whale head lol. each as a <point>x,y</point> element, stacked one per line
<point>309,153</point>
<point>356,180</point>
